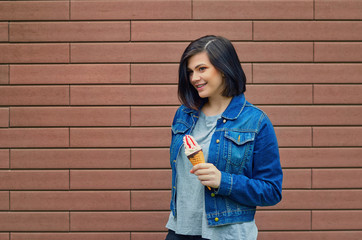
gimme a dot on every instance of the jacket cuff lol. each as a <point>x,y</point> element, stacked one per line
<point>226,184</point>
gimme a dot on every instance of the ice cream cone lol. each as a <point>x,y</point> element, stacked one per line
<point>196,158</point>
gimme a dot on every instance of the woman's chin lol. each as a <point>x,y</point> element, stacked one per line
<point>203,95</point>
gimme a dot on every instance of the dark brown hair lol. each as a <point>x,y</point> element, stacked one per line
<point>223,57</point>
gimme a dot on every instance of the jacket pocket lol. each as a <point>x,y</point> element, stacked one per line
<point>238,148</point>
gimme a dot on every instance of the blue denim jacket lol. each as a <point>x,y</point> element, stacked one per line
<point>245,149</point>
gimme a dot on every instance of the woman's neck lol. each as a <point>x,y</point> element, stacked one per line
<point>216,106</point>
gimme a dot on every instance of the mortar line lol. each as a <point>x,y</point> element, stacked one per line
<point>192,9</point>
<point>252,30</point>
<point>314,10</point>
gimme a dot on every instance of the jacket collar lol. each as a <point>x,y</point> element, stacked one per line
<point>233,110</point>
<point>235,107</point>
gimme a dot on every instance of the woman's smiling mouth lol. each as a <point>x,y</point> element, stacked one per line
<point>200,86</point>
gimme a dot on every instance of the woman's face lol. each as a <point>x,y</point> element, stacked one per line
<point>206,79</point>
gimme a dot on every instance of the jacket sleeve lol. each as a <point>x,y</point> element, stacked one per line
<point>264,188</point>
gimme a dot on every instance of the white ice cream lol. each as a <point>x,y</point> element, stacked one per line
<point>191,146</point>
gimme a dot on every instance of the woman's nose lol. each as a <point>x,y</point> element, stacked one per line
<point>195,77</point>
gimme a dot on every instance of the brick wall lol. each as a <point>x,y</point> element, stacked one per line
<point>86,85</point>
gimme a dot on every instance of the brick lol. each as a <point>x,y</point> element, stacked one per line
<point>34,180</point>
<point>34,10</point>
<point>154,73</point>
<point>337,220</point>
<point>69,158</point>
<point>69,31</point>
<point>124,95</point>
<point>150,158</point>
<point>319,199</point>
<point>297,178</point>
<point>4,117</point>
<point>4,158</point>
<point>70,236</point>
<point>310,235</point>
<point>294,136</point>
<point>338,52</point>
<point>130,9</point>
<point>150,200</point>
<point>118,221</point>
<point>34,137</point>
<point>120,137</point>
<point>120,179</point>
<point>70,74</point>
<point>247,68</point>
<point>126,52</point>
<point>166,73</point>
<point>34,53</point>
<point>34,95</point>
<point>4,31</point>
<point>320,157</point>
<point>189,30</point>
<point>152,116</point>
<point>307,73</point>
<point>283,220</point>
<point>34,221</point>
<point>69,200</point>
<point>4,201</point>
<point>147,235</point>
<point>314,115</point>
<point>247,9</point>
<point>337,136</point>
<point>336,178</point>
<point>4,236</point>
<point>4,74</point>
<point>274,51</point>
<point>338,94</point>
<point>171,52</point>
<point>69,116</point>
<point>279,94</point>
<point>338,9</point>
<point>307,30</point>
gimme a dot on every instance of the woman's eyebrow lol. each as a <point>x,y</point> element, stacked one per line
<point>198,65</point>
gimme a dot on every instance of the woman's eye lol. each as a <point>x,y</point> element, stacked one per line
<point>201,69</point>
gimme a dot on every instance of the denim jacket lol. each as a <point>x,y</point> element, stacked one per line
<point>245,149</point>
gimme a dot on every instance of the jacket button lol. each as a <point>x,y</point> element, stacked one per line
<point>216,219</point>
<point>217,140</point>
<point>212,194</point>
<point>224,121</point>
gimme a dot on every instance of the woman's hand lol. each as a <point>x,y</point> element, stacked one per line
<point>208,174</point>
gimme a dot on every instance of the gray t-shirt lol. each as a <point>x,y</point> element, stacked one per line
<point>190,200</point>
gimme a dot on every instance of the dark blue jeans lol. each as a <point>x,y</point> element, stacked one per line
<point>174,236</point>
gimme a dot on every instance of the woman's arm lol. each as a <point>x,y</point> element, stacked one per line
<point>264,188</point>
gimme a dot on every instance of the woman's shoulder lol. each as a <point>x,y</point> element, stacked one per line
<point>181,113</point>
<point>254,108</point>
<point>184,110</point>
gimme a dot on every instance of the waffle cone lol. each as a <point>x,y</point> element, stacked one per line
<point>197,158</point>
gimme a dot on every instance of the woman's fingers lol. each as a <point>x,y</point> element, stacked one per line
<point>208,174</point>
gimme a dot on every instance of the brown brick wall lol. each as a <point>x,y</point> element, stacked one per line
<point>86,85</point>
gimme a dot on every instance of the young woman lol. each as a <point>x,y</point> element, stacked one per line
<point>242,165</point>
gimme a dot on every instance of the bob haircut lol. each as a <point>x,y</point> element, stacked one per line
<point>223,57</point>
